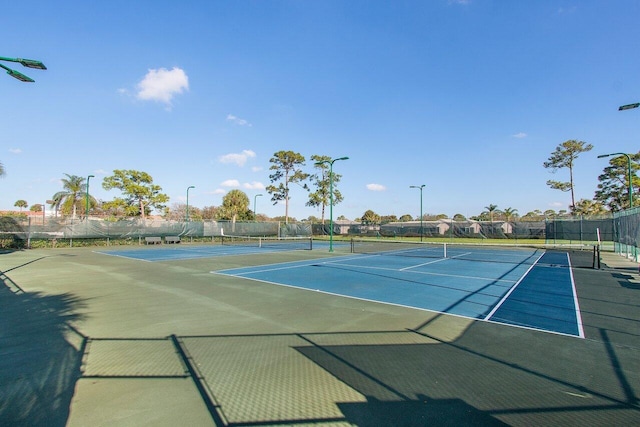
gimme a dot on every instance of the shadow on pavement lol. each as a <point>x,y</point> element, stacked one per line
<point>40,356</point>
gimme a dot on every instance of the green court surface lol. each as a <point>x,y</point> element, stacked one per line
<point>92,339</point>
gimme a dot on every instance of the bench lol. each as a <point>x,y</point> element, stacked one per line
<point>153,240</point>
<point>172,239</point>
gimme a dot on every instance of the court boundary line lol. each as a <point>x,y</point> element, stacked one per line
<point>184,249</point>
<point>338,262</point>
<point>122,256</point>
<point>506,296</point>
<point>575,299</point>
<point>308,263</point>
<point>437,312</point>
<point>574,292</point>
<point>425,273</point>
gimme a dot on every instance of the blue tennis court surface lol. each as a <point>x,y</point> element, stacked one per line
<point>178,252</point>
<point>535,291</point>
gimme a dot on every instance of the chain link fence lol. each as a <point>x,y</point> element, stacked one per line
<point>20,233</point>
<point>627,233</point>
<point>621,232</point>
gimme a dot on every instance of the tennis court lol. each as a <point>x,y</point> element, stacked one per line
<point>230,246</point>
<point>521,287</point>
<point>230,335</point>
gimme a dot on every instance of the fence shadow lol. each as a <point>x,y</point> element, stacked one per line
<point>40,356</point>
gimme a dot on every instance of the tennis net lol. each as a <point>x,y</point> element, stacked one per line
<point>283,243</point>
<point>516,254</point>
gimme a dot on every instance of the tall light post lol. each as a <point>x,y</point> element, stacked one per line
<point>255,212</point>
<point>86,206</point>
<point>628,172</point>
<point>29,63</point>
<point>330,163</point>
<point>629,106</point>
<point>191,186</point>
<point>420,187</point>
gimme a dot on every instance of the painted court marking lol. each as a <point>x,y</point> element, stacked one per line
<point>495,292</point>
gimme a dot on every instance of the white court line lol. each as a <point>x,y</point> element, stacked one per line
<point>477,319</point>
<point>427,273</point>
<point>339,262</point>
<point>504,298</point>
<point>422,264</point>
<point>279,266</point>
<point>575,300</point>
<point>122,256</point>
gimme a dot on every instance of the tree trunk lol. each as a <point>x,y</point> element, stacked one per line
<point>142,210</point>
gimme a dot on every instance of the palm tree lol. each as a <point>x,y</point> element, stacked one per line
<point>21,204</point>
<point>235,203</point>
<point>68,200</point>
<point>491,209</point>
<point>509,212</point>
<point>2,172</point>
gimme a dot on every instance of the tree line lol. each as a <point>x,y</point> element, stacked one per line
<point>140,196</point>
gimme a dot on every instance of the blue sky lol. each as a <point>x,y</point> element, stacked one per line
<point>467,97</point>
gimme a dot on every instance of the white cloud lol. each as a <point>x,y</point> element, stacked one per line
<point>256,168</point>
<point>217,191</point>
<point>15,150</point>
<point>231,183</point>
<point>238,121</point>
<point>376,187</point>
<point>162,85</point>
<point>254,185</point>
<point>519,135</point>
<point>238,158</point>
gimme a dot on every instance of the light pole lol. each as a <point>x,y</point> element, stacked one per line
<point>628,172</point>
<point>191,186</point>
<point>420,187</point>
<point>86,206</point>
<point>629,106</point>
<point>255,212</point>
<point>52,203</point>
<point>330,162</point>
<point>29,63</point>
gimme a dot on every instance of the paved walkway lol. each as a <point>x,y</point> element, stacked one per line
<point>614,261</point>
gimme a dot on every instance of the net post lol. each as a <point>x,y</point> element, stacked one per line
<point>259,242</point>
<point>445,249</point>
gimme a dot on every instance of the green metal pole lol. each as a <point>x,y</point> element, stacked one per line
<point>421,227</point>
<point>331,206</point>
<point>255,212</point>
<point>191,186</point>
<point>330,162</point>
<point>86,208</point>
<point>630,181</point>
<point>420,187</point>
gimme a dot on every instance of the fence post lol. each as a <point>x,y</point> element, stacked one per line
<point>29,233</point>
